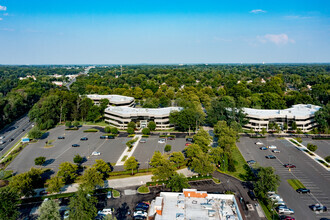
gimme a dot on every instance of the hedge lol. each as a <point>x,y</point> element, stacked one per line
<point>91,130</point>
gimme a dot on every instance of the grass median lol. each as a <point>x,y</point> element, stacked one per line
<point>295,184</point>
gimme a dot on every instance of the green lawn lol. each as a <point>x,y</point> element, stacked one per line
<point>91,130</point>
<point>100,123</point>
<point>115,193</point>
<point>143,189</point>
<point>237,156</point>
<point>269,214</point>
<point>296,184</point>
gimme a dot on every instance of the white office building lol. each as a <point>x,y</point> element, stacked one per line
<point>193,204</point>
<point>301,114</point>
<point>121,116</point>
<point>114,100</point>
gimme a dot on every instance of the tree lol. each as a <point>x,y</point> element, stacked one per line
<point>148,93</point>
<point>202,164</point>
<point>68,171</point>
<point>203,140</point>
<point>167,148</point>
<point>54,184</point>
<point>187,118</point>
<point>35,133</point>
<point>285,126</point>
<point>192,151</point>
<point>322,117</point>
<point>131,124</point>
<point>152,125</point>
<point>107,129</point>
<point>102,167</point>
<point>263,131</point>
<point>178,182</point>
<point>226,136</point>
<point>311,147</point>
<point>68,124</point>
<point>130,130</point>
<point>163,172</point>
<point>92,179</point>
<point>23,183</point>
<point>327,158</point>
<point>177,158</point>
<point>82,205</point>
<point>78,159</point>
<point>9,200</point>
<point>49,209</point>
<point>114,130</point>
<point>266,181</point>
<point>156,159</point>
<point>145,131</point>
<point>76,124</point>
<point>131,164</point>
<point>39,160</point>
<point>294,125</point>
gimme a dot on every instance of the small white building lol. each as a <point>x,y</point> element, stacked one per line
<point>193,204</point>
<point>301,114</point>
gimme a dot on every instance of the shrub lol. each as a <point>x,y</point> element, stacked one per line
<point>311,147</point>
<point>152,126</point>
<point>78,159</point>
<point>130,130</point>
<point>35,133</point>
<point>327,159</point>
<point>114,130</point>
<point>299,139</point>
<point>68,124</point>
<point>39,160</point>
<point>76,124</point>
<point>107,129</point>
<point>168,148</point>
<point>145,131</point>
<point>131,125</point>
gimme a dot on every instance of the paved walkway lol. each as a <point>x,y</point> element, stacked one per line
<point>128,153</point>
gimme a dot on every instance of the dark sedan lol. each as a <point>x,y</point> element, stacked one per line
<point>303,190</point>
<point>270,157</point>
<point>288,165</point>
<point>84,139</point>
<point>60,137</point>
<point>318,207</point>
<point>75,145</point>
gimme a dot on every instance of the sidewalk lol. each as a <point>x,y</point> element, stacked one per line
<point>120,183</point>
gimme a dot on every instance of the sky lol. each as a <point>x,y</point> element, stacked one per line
<point>164,32</point>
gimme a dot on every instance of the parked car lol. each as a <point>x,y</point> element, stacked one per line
<point>277,199</point>
<point>95,153</point>
<point>189,139</point>
<point>285,217</point>
<point>274,196</point>
<point>139,217</point>
<point>272,147</point>
<point>61,137</point>
<point>288,165</point>
<point>188,144</point>
<point>143,140</point>
<point>303,190</point>
<point>252,195</point>
<point>285,211</point>
<point>263,148</point>
<point>111,137</point>
<point>276,151</point>
<point>162,141</point>
<point>318,207</point>
<point>280,203</point>
<point>269,193</point>
<point>142,205</point>
<point>259,143</point>
<point>43,192</point>
<point>105,212</point>
<point>84,139</point>
<point>2,137</point>
<point>170,138</point>
<point>251,162</point>
<point>140,213</point>
<point>2,142</point>
<point>109,194</point>
<point>270,157</point>
<point>11,139</point>
<point>75,145</point>
<point>66,214</point>
<point>103,137</point>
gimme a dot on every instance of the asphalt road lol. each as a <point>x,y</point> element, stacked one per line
<point>323,146</point>
<point>16,130</point>
<point>309,172</point>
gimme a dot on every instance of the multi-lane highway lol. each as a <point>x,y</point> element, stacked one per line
<point>13,133</point>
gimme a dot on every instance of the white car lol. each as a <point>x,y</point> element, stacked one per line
<point>2,137</point>
<point>259,143</point>
<point>269,193</point>
<point>109,194</point>
<point>105,212</point>
<point>274,196</point>
<point>276,151</point>
<point>95,153</point>
<point>272,147</point>
<point>276,199</point>
<point>285,211</point>
<point>66,214</point>
<point>161,141</point>
<point>140,213</point>
<point>279,203</point>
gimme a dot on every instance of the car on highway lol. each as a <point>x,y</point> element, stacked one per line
<point>103,137</point>
<point>303,190</point>
<point>84,139</point>
<point>276,151</point>
<point>272,147</point>
<point>250,162</point>
<point>75,145</point>
<point>259,143</point>
<point>2,142</point>
<point>252,195</point>
<point>263,148</point>
<point>11,139</point>
<point>143,140</point>
<point>285,217</point>
<point>289,165</point>
<point>2,137</point>
<point>318,207</point>
<point>270,157</point>
<point>61,137</point>
<point>286,211</point>
<point>162,141</point>
<point>95,153</point>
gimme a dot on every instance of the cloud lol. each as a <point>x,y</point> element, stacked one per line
<point>258,11</point>
<point>277,39</point>
<point>3,8</point>
<point>5,14</point>
<point>295,17</point>
<point>1,19</point>
<point>7,29</point>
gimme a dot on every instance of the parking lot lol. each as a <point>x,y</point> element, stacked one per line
<point>323,146</point>
<point>110,149</point>
<point>309,172</point>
